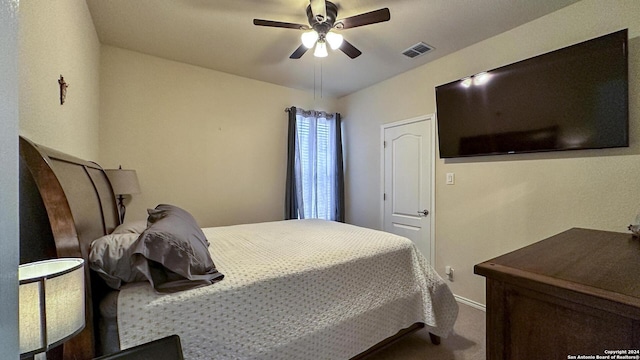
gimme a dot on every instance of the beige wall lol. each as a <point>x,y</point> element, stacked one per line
<point>208,141</point>
<point>57,37</point>
<point>501,203</point>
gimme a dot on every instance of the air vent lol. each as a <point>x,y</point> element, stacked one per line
<point>417,50</point>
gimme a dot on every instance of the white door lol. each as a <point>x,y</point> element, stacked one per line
<point>407,181</point>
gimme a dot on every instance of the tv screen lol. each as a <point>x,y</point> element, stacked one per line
<point>572,98</point>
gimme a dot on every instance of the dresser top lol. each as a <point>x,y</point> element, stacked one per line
<point>582,260</point>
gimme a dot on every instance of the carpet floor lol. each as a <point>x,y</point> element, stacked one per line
<point>466,342</point>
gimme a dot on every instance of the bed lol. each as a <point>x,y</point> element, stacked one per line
<point>296,289</point>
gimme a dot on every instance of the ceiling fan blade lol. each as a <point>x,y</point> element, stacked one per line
<point>299,52</point>
<point>349,49</point>
<point>371,17</point>
<point>319,10</point>
<point>279,24</point>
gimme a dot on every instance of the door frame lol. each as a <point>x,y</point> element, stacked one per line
<point>430,120</point>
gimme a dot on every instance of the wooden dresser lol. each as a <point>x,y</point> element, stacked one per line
<point>576,293</point>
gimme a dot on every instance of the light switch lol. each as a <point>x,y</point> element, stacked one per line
<point>451,178</point>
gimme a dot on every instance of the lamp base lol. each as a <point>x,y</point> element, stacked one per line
<point>121,208</point>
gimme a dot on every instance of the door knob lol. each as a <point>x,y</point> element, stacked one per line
<point>424,212</point>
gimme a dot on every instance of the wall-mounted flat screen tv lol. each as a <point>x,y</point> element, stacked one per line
<point>573,98</point>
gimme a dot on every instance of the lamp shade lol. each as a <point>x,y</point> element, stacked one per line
<point>51,308</point>
<point>334,40</point>
<point>124,182</point>
<point>309,38</point>
<point>321,49</point>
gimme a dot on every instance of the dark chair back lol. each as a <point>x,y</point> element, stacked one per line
<point>167,348</point>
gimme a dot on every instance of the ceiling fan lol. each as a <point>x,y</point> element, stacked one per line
<point>321,15</point>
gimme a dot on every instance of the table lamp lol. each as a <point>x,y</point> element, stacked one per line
<point>123,182</point>
<point>51,304</point>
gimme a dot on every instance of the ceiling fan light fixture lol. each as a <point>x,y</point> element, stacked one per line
<point>321,49</point>
<point>309,38</point>
<point>321,16</point>
<point>334,40</point>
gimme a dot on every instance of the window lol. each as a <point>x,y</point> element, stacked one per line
<point>317,166</point>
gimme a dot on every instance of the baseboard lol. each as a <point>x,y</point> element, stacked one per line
<point>473,304</point>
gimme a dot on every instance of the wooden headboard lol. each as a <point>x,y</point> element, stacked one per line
<point>65,204</point>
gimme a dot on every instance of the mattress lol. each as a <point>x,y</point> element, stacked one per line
<point>296,289</point>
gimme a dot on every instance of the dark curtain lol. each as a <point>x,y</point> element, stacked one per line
<point>291,203</point>
<point>339,195</point>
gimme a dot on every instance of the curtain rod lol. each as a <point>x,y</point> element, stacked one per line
<point>289,109</point>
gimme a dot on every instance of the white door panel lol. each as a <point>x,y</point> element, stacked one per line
<point>405,154</point>
<point>407,182</point>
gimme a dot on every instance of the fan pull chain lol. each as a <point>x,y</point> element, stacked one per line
<point>320,79</point>
<point>315,75</point>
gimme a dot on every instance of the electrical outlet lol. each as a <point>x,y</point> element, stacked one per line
<point>449,271</point>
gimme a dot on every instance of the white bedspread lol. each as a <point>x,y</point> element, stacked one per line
<point>297,289</point>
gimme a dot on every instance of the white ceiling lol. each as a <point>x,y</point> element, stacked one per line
<point>220,35</point>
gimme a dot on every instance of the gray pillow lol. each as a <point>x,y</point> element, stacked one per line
<point>172,253</point>
<point>135,227</point>
<point>110,257</point>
